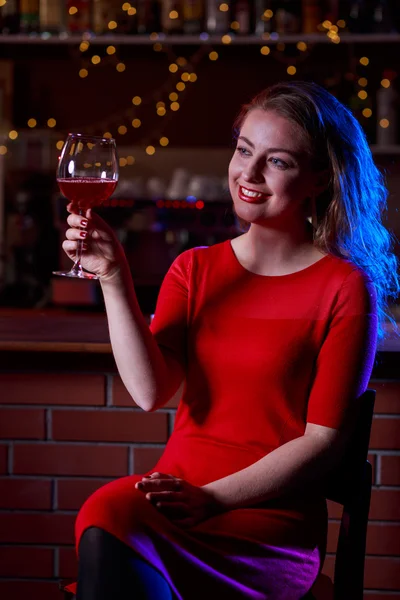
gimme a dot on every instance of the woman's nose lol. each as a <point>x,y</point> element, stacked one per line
<point>253,172</point>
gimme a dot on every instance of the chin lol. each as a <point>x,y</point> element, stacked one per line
<point>243,219</point>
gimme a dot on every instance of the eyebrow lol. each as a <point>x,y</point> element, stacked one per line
<point>290,152</point>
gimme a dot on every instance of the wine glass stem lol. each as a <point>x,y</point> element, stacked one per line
<point>77,267</point>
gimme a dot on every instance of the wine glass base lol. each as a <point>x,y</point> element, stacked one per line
<point>79,275</point>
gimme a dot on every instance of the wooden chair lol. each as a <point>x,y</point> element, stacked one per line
<point>349,485</point>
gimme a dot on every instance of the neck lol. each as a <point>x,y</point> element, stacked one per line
<point>279,247</point>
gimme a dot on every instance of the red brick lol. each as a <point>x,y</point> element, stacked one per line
<point>329,566</point>
<point>121,396</point>
<point>54,388</point>
<point>34,494</point>
<point>385,505</point>
<point>383,539</point>
<point>20,561</point>
<point>382,573</point>
<point>68,564</point>
<point>335,510</point>
<point>3,458</point>
<point>22,423</point>
<point>145,459</point>
<point>387,396</point>
<point>63,459</point>
<point>26,590</point>
<point>110,426</point>
<point>72,493</point>
<point>381,596</point>
<point>390,470</point>
<point>37,528</point>
<point>385,434</point>
<point>333,536</point>
<point>372,459</point>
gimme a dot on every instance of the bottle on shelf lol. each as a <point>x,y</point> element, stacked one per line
<point>311,14</point>
<point>78,16</point>
<point>193,16</point>
<point>148,16</point>
<point>383,20</point>
<point>217,17</point>
<point>52,16</point>
<point>172,17</point>
<point>242,16</point>
<point>264,13</point>
<point>106,12</point>
<point>29,16</point>
<point>360,17</point>
<point>331,11</point>
<point>10,17</point>
<point>288,16</point>
<point>99,16</point>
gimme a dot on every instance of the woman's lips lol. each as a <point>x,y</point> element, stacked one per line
<point>252,199</point>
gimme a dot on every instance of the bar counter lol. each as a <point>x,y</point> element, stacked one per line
<point>54,340</point>
<point>66,339</point>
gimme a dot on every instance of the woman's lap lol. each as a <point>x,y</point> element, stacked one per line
<point>243,554</point>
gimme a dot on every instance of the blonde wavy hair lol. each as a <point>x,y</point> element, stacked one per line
<point>349,213</point>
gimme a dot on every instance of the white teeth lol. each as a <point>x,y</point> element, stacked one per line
<point>250,194</point>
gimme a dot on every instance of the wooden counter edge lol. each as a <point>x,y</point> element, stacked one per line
<point>95,348</point>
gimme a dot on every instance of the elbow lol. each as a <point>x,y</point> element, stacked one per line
<point>151,403</point>
<point>158,395</point>
<point>148,405</point>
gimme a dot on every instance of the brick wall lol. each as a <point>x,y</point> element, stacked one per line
<point>63,435</point>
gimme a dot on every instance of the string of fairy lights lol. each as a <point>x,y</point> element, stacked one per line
<point>168,99</point>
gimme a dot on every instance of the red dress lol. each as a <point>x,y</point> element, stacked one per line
<point>263,355</point>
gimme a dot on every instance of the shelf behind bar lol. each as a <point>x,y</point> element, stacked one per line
<point>201,39</point>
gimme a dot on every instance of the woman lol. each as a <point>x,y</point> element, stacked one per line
<point>274,336</point>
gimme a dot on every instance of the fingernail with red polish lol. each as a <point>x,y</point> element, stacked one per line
<point>84,223</point>
<point>83,234</point>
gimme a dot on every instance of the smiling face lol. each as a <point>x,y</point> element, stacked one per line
<point>270,174</point>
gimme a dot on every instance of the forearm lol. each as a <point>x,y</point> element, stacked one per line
<point>148,375</point>
<point>286,469</point>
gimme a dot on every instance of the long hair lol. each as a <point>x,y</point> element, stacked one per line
<point>351,209</point>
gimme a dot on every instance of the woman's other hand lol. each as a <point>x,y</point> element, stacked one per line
<point>180,501</point>
<point>102,252</point>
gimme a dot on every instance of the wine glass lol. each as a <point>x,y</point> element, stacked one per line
<point>87,174</point>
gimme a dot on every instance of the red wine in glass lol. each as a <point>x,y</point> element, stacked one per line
<point>87,175</point>
<point>86,192</point>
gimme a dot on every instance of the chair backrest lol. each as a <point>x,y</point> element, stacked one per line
<point>350,485</point>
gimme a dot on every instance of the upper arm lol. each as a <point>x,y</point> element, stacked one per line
<point>345,360</point>
<point>169,325</point>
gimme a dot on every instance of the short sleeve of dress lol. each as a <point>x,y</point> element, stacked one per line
<point>169,325</point>
<point>346,358</point>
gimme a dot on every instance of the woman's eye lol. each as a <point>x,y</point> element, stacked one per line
<point>281,164</point>
<point>242,151</point>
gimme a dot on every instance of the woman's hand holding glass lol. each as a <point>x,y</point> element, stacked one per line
<point>87,174</point>
<point>102,253</point>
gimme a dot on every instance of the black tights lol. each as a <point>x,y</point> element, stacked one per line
<point>108,569</point>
